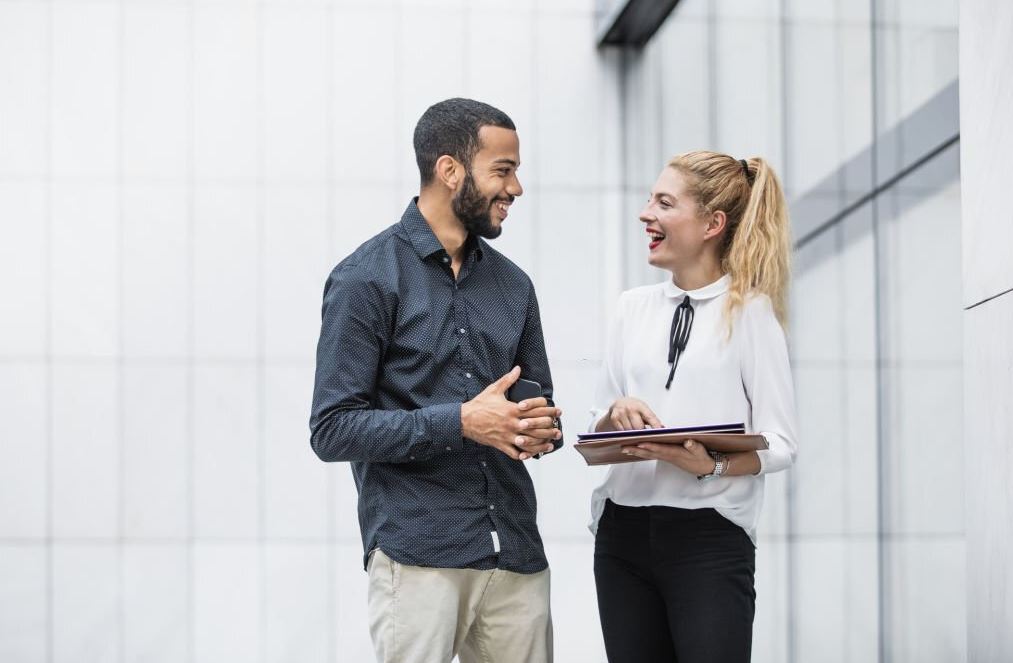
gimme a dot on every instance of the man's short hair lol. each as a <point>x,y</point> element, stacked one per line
<point>451,127</point>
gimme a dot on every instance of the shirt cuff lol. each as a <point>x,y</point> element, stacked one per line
<point>775,458</point>
<point>444,425</point>
<point>596,416</point>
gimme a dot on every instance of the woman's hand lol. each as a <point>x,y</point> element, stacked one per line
<point>628,414</point>
<point>690,456</point>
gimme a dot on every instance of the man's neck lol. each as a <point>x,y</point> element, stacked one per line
<point>444,223</point>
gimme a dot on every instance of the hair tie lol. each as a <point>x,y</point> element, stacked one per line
<point>745,171</point>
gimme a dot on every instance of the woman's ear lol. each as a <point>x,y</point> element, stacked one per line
<point>716,225</point>
<point>448,172</point>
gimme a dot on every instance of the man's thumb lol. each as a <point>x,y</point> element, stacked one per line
<point>507,381</point>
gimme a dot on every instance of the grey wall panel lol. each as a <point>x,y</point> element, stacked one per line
<point>986,104</point>
<point>988,436</point>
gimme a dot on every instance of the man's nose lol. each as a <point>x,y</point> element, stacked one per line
<point>514,187</point>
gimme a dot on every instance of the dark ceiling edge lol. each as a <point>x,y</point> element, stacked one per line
<point>634,22</point>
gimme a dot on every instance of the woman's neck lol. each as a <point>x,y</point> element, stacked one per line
<point>697,276</point>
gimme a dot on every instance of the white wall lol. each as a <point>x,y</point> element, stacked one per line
<point>176,180</point>
<point>986,65</point>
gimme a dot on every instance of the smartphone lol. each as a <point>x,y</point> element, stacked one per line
<point>524,389</point>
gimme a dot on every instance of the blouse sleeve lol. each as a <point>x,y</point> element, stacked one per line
<point>766,377</point>
<point>609,386</point>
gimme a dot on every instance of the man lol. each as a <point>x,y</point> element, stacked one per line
<point>425,328</point>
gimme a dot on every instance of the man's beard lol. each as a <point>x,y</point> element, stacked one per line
<point>475,210</point>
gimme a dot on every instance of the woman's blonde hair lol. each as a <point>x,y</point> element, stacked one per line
<point>756,247</point>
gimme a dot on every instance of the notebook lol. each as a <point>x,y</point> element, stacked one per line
<point>606,448</point>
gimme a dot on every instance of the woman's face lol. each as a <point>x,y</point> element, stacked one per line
<point>675,227</point>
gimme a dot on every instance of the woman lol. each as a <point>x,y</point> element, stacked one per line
<point>675,534</point>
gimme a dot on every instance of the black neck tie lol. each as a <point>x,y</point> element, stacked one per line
<point>682,322</point>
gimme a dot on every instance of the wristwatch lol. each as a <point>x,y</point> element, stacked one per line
<point>720,465</point>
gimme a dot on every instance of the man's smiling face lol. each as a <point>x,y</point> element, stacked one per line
<point>490,184</point>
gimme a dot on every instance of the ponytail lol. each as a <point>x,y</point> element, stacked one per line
<point>756,248</point>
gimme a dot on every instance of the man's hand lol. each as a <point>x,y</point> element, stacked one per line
<point>520,430</point>
<point>538,419</point>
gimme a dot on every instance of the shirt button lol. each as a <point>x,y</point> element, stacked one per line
<point>484,464</point>
<point>450,449</point>
<point>467,375</point>
<point>445,259</point>
<point>492,507</point>
<point>411,457</point>
<point>461,330</point>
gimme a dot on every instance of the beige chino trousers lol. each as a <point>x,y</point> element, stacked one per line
<point>429,615</point>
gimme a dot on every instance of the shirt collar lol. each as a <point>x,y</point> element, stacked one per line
<point>418,233</point>
<point>707,292</point>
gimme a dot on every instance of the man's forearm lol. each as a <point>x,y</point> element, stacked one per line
<point>388,436</point>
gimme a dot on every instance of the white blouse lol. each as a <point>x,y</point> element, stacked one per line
<point>745,379</point>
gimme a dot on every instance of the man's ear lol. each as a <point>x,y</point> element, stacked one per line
<point>716,225</point>
<point>449,172</point>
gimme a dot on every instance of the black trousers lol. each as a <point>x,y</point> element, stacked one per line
<point>674,585</point>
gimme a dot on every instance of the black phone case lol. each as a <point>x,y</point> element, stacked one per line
<point>523,389</point>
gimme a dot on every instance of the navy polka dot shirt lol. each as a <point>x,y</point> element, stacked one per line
<point>402,345</point>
